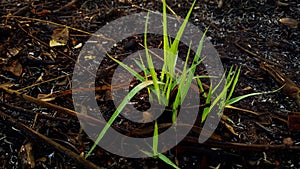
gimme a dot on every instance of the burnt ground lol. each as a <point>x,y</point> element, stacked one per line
<point>40,130</point>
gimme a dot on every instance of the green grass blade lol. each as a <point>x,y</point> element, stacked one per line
<point>183,88</point>
<point>155,152</point>
<point>146,73</point>
<point>236,78</point>
<point>229,75</point>
<point>208,99</point>
<point>200,85</point>
<point>125,101</point>
<point>173,51</point>
<point>221,97</point>
<point>204,77</point>
<point>147,153</point>
<point>162,157</point>
<point>142,67</point>
<point>165,38</point>
<point>155,139</point>
<point>197,60</point>
<point>150,63</point>
<point>167,160</point>
<point>174,46</point>
<point>199,49</point>
<point>133,72</point>
<point>168,86</point>
<point>236,99</point>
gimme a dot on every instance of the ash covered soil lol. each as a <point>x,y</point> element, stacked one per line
<point>248,33</point>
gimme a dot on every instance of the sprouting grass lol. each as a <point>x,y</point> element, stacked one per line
<point>168,76</point>
<point>155,153</point>
<point>162,83</point>
<point>224,99</point>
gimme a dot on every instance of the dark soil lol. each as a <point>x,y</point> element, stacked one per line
<point>46,133</point>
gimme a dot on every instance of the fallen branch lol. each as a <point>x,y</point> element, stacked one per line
<point>57,108</point>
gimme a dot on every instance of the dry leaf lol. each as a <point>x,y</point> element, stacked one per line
<point>46,97</point>
<point>147,117</point>
<point>288,141</point>
<point>13,51</point>
<point>7,53</point>
<point>247,88</point>
<point>15,68</point>
<point>63,83</point>
<point>230,128</point>
<point>59,37</point>
<point>26,155</point>
<point>292,23</point>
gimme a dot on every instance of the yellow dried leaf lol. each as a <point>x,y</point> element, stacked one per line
<point>53,43</point>
<point>89,57</point>
<point>79,45</point>
<point>45,97</point>
<point>59,37</point>
<point>292,23</point>
<point>13,51</point>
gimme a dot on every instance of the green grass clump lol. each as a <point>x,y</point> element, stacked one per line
<point>161,84</point>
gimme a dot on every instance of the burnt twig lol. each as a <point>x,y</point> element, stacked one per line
<point>290,88</point>
<point>13,122</point>
<point>50,105</point>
